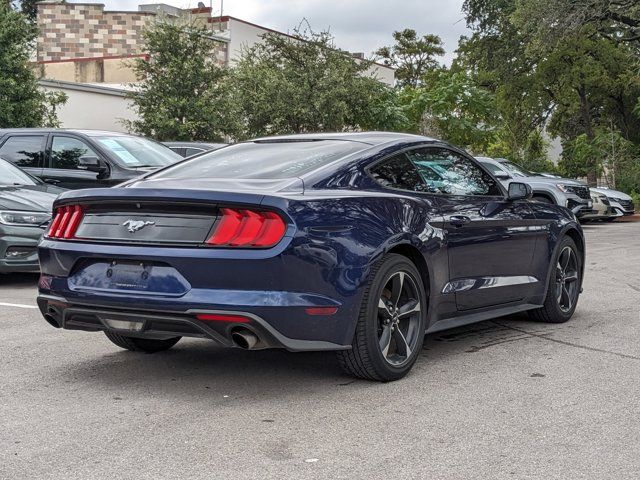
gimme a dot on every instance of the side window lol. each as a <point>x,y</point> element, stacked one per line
<point>495,169</point>
<point>66,151</point>
<point>398,172</point>
<point>192,151</point>
<point>447,172</point>
<point>23,151</point>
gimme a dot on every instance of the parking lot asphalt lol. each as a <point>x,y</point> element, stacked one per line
<point>504,399</point>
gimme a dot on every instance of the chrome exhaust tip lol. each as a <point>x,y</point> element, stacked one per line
<point>244,339</point>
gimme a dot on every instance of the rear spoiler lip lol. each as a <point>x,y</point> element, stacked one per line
<point>160,195</point>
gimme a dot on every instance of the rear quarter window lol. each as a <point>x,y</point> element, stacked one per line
<point>263,160</point>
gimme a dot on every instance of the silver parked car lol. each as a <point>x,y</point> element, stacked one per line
<point>569,193</point>
<point>621,203</point>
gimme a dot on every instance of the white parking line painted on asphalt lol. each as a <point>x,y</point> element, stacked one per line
<point>19,305</point>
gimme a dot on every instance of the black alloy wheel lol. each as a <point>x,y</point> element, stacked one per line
<point>390,328</point>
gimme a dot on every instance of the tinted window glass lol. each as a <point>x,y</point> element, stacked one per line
<point>66,151</point>
<point>138,152</point>
<point>263,160</point>
<point>446,172</point>
<point>23,151</point>
<point>493,168</point>
<point>192,151</point>
<point>517,169</point>
<point>398,172</point>
<point>12,175</point>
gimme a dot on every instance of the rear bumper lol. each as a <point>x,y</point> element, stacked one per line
<point>61,313</point>
<point>274,288</point>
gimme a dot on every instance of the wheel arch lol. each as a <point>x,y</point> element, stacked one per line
<point>412,253</point>
<point>547,195</point>
<point>578,239</point>
<point>575,235</point>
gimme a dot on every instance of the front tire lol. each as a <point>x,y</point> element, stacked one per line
<point>391,325</point>
<point>141,344</point>
<point>564,285</point>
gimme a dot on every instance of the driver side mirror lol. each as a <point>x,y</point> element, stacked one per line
<point>503,176</point>
<point>519,191</point>
<point>92,164</point>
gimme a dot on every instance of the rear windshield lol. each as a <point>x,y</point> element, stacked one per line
<point>263,160</point>
<point>138,152</point>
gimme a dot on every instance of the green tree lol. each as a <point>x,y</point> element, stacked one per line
<point>30,9</point>
<point>22,102</point>
<point>571,85</point>
<point>304,84</point>
<point>181,92</point>
<point>453,108</point>
<point>412,56</point>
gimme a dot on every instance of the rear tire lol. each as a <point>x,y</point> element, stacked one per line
<point>391,325</point>
<point>141,344</point>
<point>564,285</point>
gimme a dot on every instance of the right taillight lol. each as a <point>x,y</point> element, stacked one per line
<point>247,228</point>
<point>65,222</point>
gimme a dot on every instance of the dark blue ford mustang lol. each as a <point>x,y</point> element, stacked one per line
<point>358,243</point>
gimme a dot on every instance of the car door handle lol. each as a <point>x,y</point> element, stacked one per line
<point>459,220</point>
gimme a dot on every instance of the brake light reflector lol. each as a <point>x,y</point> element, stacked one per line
<point>219,317</point>
<point>321,310</point>
<point>65,222</point>
<point>247,228</point>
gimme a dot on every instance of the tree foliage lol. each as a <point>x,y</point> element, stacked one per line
<point>412,56</point>
<point>305,84</point>
<point>571,80</point>
<point>453,108</point>
<point>181,92</point>
<point>22,102</point>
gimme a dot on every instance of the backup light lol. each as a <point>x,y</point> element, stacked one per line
<point>65,222</point>
<point>247,228</point>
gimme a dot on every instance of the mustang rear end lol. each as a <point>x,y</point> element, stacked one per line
<point>170,264</point>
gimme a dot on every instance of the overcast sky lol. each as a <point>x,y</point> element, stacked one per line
<point>358,25</point>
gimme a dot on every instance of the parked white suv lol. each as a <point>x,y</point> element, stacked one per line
<point>569,193</point>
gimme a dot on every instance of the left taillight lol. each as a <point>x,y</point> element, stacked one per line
<point>245,228</point>
<point>65,222</point>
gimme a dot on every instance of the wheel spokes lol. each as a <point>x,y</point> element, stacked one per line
<point>382,307</point>
<point>401,343</point>
<point>571,277</point>
<point>567,297</point>
<point>412,306</point>
<point>385,340</point>
<point>397,285</point>
<point>565,257</point>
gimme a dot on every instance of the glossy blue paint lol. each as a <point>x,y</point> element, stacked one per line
<point>340,222</point>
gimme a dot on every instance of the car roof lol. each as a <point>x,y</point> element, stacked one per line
<point>87,132</point>
<point>371,138</point>
<point>194,144</point>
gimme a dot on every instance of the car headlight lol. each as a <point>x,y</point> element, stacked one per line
<point>563,187</point>
<point>23,219</point>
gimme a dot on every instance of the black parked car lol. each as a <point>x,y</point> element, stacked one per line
<point>25,211</point>
<point>83,158</point>
<point>189,149</point>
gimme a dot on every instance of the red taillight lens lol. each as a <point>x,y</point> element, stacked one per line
<point>247,228</point>
<point>65,222</point>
